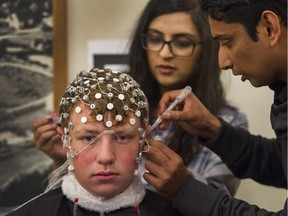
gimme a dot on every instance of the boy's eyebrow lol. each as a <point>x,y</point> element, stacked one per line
<point>95,130</point>
<point>88,131</point>
<point>86,128</point>
<point>124,129</point>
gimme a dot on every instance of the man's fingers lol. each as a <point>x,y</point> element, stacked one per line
<point>166,100</point>
<point>151,179</point>
<point>161,152</point>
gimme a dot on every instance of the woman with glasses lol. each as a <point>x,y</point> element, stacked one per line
<point>171,48</point>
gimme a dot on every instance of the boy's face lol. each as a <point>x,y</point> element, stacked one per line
<point>252,60</point>
<point>106,166</point>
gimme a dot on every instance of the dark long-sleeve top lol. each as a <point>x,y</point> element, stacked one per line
<point>248,156</point>
<point>54,203</point>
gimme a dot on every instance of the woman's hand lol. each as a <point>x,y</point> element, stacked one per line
<point>47,140</point>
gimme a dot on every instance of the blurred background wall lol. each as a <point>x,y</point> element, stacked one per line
<point>114,19</point>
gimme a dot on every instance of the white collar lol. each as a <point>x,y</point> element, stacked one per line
<point>131,196</point>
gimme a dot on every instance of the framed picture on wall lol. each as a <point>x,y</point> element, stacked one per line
<point>108,54</point>
<point>29,87</point>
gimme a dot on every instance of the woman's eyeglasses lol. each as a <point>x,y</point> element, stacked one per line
<point>178,47</point>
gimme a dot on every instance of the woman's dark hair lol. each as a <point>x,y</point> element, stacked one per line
<point>245,12</point>
<point>205,81</point>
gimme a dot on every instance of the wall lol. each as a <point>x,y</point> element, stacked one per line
<point>114,19</point>
<point>97,20</point>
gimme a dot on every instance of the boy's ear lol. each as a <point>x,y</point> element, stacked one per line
<point>60,131</point>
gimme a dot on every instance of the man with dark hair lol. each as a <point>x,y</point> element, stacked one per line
<point>252,35</point>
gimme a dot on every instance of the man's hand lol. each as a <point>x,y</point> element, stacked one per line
<point>166,169</point>
<point>191,114</point>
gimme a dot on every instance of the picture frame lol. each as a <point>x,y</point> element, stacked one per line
<point>112,54</point>
<point>33,65</point>
<point>60,59</point>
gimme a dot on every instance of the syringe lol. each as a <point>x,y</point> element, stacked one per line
<point>180,97</point>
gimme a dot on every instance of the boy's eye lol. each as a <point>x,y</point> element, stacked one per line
<point>121,138</point>
<point>89,139</point>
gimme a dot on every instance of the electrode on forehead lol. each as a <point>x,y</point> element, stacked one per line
<point>78,109</point>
